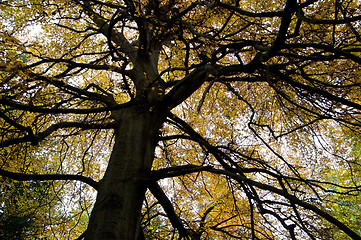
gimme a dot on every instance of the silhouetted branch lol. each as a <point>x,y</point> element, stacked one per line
<point>47,177</point>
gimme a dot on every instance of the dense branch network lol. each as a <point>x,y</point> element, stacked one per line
<point>289,73</point>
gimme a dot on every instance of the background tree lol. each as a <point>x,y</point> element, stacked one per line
<point>17,221</point>
<point>236,116</point>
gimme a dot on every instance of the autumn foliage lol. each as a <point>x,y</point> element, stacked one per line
<point>221,119</point>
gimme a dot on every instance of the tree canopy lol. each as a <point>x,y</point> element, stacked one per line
<point>220,119</point>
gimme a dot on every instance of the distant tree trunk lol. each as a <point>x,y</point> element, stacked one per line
<point>117,211</point>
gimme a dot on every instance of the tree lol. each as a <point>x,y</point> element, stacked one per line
<point>231,113</point>
<point>16,221</point>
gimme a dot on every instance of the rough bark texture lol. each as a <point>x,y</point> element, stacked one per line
<point>116,214</point>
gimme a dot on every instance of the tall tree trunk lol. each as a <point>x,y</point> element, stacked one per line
<point>117,211</point>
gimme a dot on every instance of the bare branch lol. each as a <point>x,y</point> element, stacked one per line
<point>47,177</point>
<point>36,138</point>
<point>159,194</point>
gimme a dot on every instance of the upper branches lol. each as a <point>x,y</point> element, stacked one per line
<point>106,29</point>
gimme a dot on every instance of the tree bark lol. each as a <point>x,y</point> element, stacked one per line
<point>117,211</point>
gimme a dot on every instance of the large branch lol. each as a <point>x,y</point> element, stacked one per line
<point>302,17</point>
<point>328,48</point>
<point>313,90</point>
<point>178,171</point>
<point>107,99</point>
<point>186,87</point>
<point>47,177</point>
<point>162,198</point>
<point>290,8</point>
<point>36,138</point>
<point>248,13</point>
<point>262,14</point>
<point>217,152</point>
<point>72,64</point>
<point>203,142</point>
<point>40,109</point>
